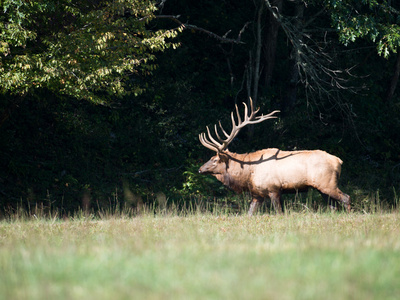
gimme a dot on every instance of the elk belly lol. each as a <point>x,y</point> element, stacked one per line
<point>286,176</point>
<point>262,184</point>
<point>289,187</point>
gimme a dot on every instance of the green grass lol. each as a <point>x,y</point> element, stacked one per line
<point>203,256</point>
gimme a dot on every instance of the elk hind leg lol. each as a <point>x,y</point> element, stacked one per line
<point>339,196</point>
<point>255,205</point>
<point>329,201</point>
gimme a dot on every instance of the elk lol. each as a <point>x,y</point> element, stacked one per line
<point>270,172</point>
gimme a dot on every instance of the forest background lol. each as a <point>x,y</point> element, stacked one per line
<point>101,102</point>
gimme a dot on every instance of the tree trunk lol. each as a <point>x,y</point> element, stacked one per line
<point>394,81</point>
<point>254,78</point>
<point>290,98</point>
<point>257,58</point>
<point>270,42</point>
<point>262,58</point>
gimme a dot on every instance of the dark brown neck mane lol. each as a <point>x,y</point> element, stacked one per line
<point>235,176</point>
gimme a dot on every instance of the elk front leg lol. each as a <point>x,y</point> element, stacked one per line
<point>276,201</point>
<point>255,204</point>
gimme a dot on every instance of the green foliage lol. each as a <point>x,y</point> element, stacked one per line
<point>80,49</point>
<point>368,19</point>
<point>196,184</point>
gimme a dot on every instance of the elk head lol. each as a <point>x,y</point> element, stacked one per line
<point>216,165</point>
<point>219,145</point>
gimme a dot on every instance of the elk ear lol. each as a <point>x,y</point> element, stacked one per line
<point>222,156</point>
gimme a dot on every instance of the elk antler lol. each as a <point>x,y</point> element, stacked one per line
<point>221,144</point>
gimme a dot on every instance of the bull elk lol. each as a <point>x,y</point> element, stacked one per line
<point>270,172</point>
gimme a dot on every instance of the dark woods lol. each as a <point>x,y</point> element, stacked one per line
<point>61,150</point>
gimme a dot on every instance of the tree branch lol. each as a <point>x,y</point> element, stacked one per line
<point>222,39</point>
<point>312,62</point>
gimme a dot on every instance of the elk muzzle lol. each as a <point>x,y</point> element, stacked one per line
<point>204,169</point>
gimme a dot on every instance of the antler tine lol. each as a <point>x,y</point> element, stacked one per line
<point>251,108</point>
<point>246,111</point>
<point>206,143</point>
<point>266,117</point>
<point>231,136</point>
<point>214,142</point>
<point>253,113</point>
<point>238,116</point>
<point>216,132</point>
<point>227,135</point>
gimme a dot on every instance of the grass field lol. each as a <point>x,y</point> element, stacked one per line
<point>203,256</point>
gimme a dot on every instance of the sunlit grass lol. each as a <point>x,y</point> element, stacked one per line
<point>202,256</point>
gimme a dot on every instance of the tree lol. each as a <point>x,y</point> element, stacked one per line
<point>371,20</point>
<point>80,49</point>
<point>378,22</point>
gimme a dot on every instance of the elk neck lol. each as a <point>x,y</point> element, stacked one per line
<point>237,173</point>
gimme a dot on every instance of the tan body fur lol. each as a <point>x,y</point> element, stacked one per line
<point>271,172</point>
